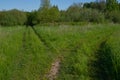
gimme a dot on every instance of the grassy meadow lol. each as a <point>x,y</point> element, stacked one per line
<point>88,52</point>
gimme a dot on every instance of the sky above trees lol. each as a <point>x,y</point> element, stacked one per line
<point>29,5</point>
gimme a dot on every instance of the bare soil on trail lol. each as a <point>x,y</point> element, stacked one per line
<point>54,69</point>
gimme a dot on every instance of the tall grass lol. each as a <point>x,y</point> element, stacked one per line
<point>10,43</point>
<point>89,52</point>
<point>78,45</point>
<point>114,43</point>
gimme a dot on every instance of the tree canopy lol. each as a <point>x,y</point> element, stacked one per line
<point>93,12</point>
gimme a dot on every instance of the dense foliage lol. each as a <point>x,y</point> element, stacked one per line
<point>95,12</point>
<point>12,17</point>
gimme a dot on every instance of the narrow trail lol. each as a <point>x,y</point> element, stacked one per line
<point>52,75</point>
<point>55,66</point>
<point>19,59</point>
<point>24,39</point>
<point>40,38</point>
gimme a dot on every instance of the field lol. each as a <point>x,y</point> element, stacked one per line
<point>89,52</point>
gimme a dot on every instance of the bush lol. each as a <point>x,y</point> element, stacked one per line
<point>48,15</point>
<point>113,16</point>
<point>12,18</point>
<point>76,14</point>
<point>91,15</point>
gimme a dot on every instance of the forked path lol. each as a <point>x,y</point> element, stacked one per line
<point>52,74</point>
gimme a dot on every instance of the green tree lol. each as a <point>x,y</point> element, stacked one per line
<point>112,5</point>
<point>119,6</point>
<point>113,16</point>
<point>12,17</point>
<point>62,17</point>
<point>19,17</point>
<point>99,5</point>
<point>43,15</point>
<point>32,18</point>
<point>45,4</point>
<point>73,12</point>
<point>48,15</point>
<point>55,14</point>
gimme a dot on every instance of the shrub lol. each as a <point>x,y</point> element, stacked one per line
<point>12,18</point>
<point>113,16</point>
<point>91,15</point>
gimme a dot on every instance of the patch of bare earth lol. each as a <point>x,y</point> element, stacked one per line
<point>54,69</point>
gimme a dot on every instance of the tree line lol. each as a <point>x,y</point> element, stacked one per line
<point>100,11</point>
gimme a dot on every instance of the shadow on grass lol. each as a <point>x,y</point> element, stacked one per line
<point>102,67</point>
<point>40,38</point>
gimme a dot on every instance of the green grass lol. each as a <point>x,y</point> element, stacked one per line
<point>10,43</point>
<point>114,43</point>
<point>78,46</point>
<point>89,52</point>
